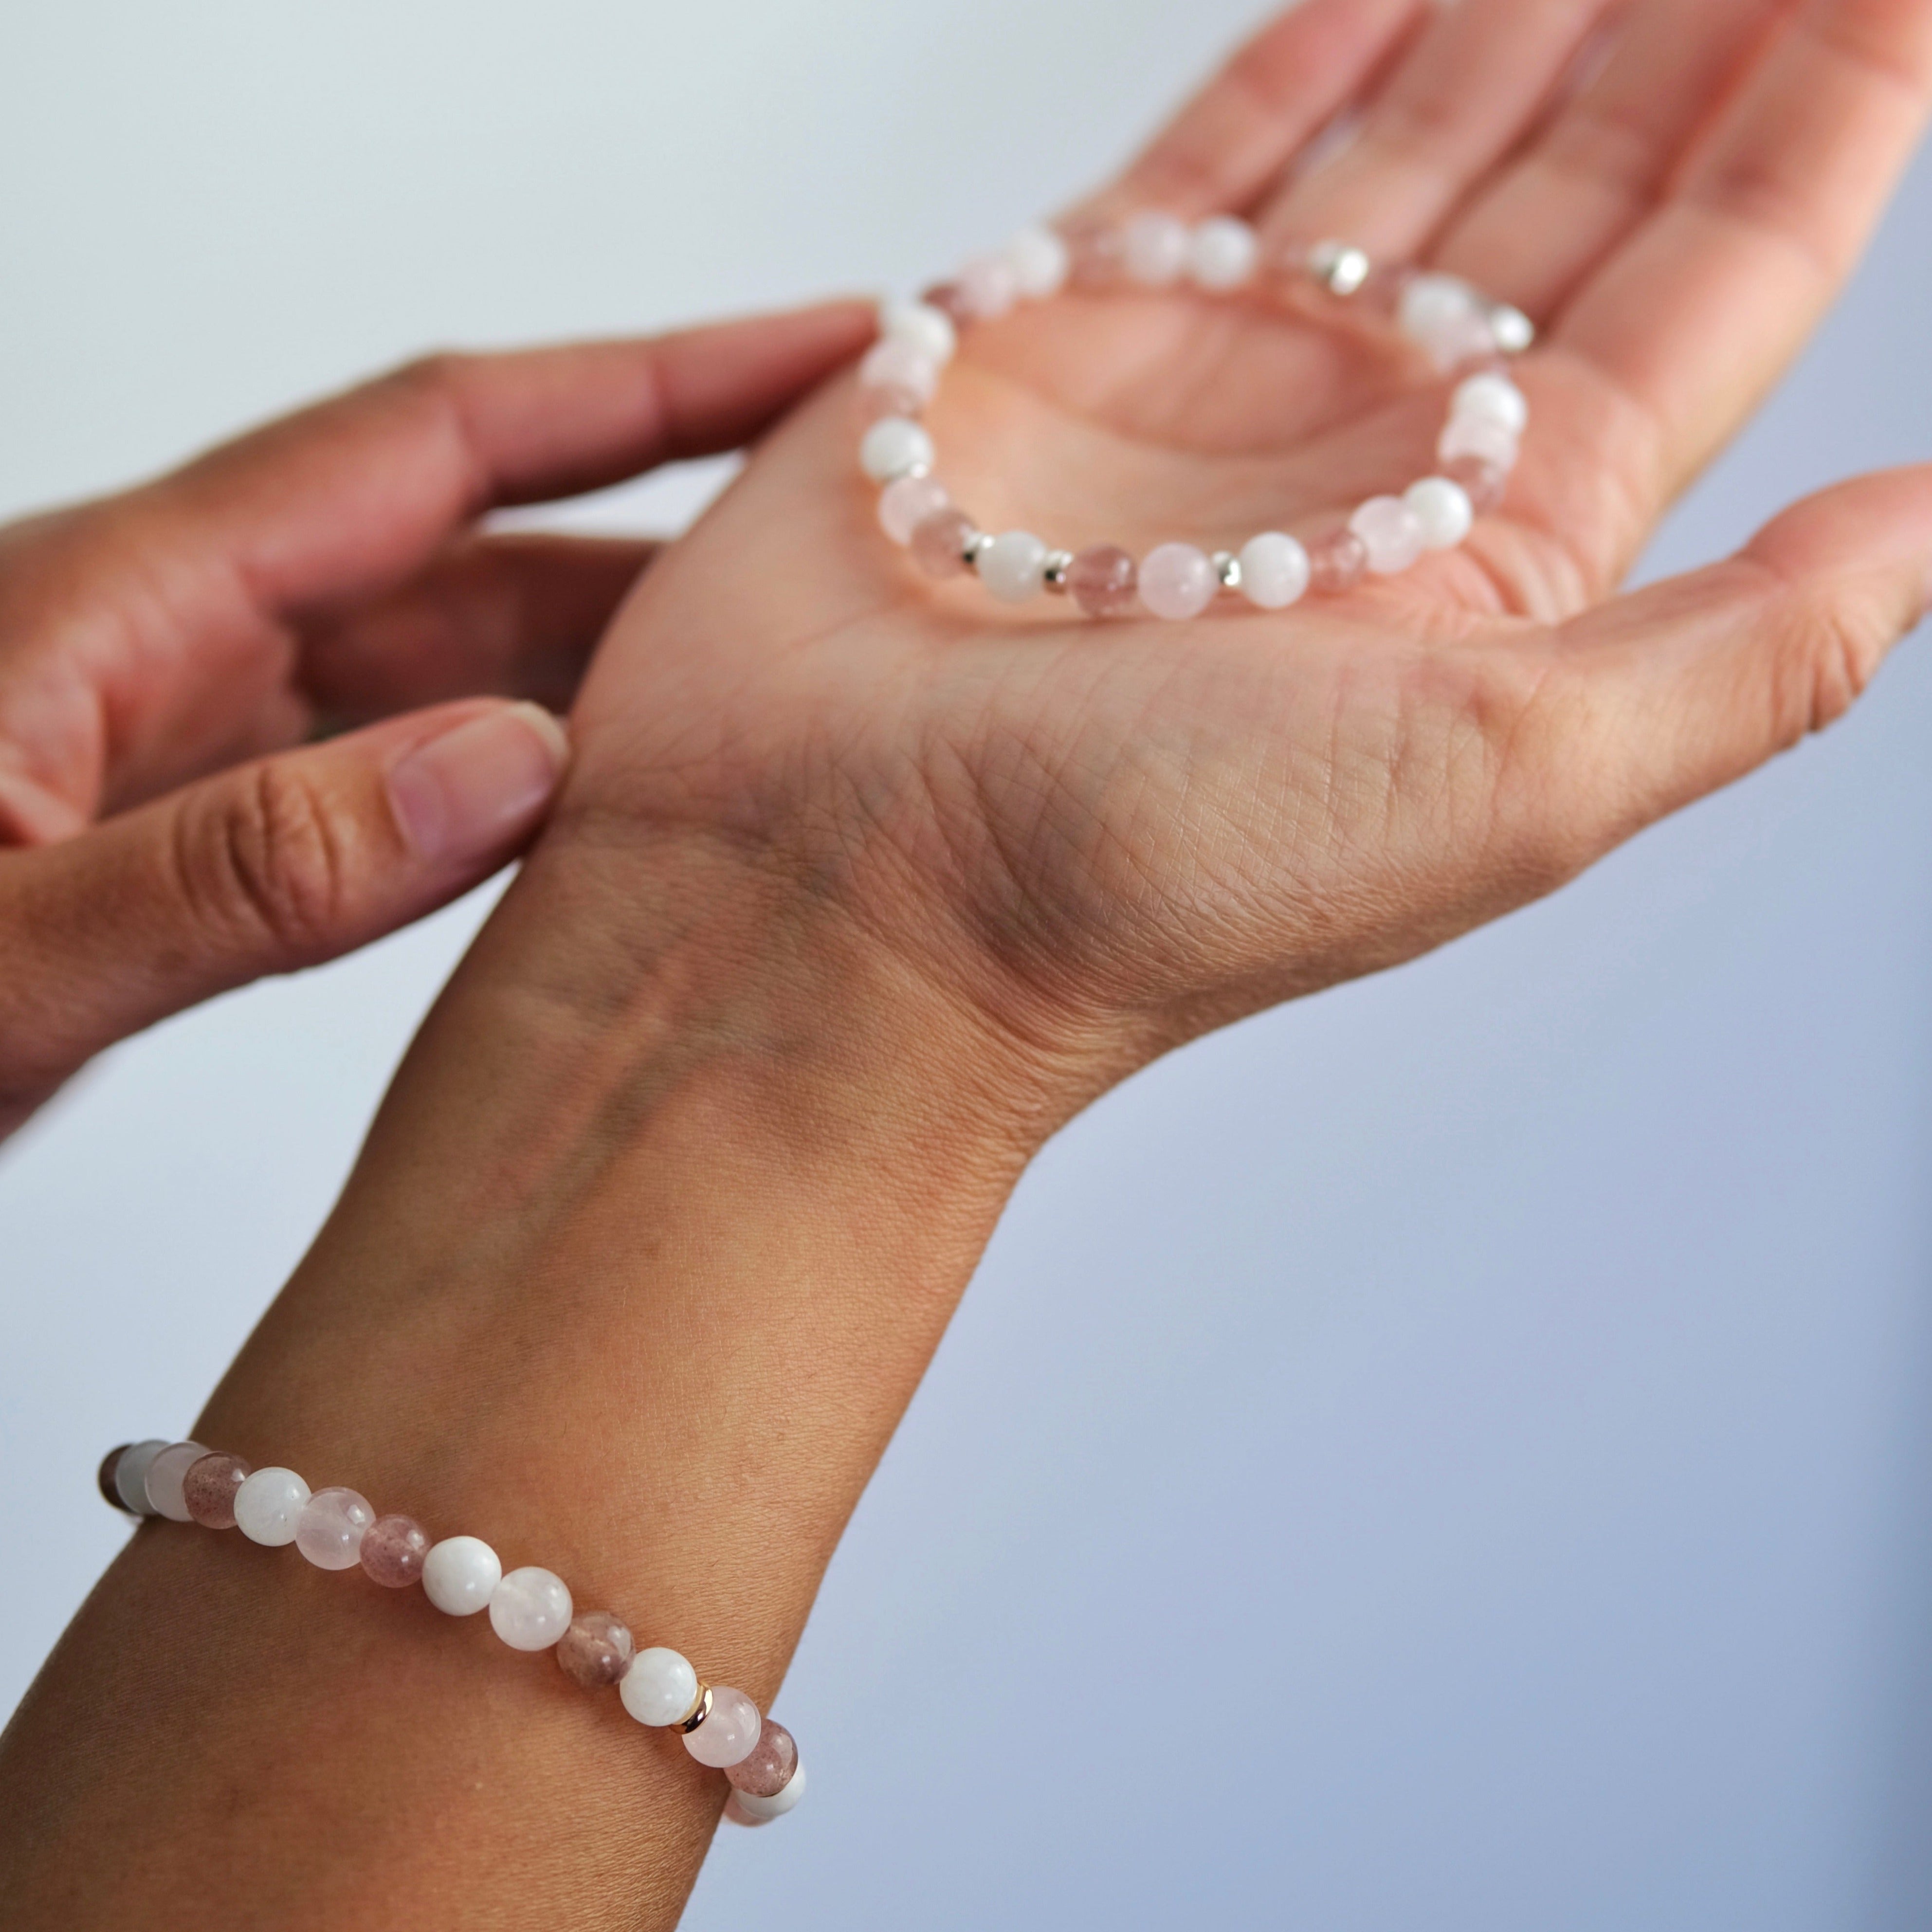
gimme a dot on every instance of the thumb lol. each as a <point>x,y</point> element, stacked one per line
<point>1694,683</point>
<point>270,866</point>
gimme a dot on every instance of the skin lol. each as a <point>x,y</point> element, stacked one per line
<point>858,888</point>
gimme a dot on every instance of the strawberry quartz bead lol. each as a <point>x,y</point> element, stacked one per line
<point>1104,581</point>
<point>1337,562</point>
<point>939,544</point>
<point>596,1650</point>
<point>768,1770</point>
<point>208,1489</point>
<point>905,504</point>
<point>392,1551</point>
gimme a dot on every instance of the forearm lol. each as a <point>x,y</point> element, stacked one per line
<point>646,1255</point>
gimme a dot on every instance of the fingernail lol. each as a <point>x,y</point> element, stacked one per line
<point>464,794</point>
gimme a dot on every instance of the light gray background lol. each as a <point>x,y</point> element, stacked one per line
<point>1453,1454</point>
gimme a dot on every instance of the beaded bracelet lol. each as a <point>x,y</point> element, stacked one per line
<point>1459,329</point>
<point>530,1609</point>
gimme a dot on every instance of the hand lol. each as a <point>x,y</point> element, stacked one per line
<point>326,569</point>
<point>1110,836</point>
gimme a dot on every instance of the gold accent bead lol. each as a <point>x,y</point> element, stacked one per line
<point>699,1711</point>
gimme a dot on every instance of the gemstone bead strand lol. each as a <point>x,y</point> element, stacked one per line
<point>530,1608</point>
<point>1460,330</point>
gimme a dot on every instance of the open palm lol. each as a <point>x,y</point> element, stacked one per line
<point>1159,825</point>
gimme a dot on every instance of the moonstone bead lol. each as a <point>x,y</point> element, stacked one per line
<point>893,365</point>
<point>164,1482</point>
<point>1222,253</point>
<point>530,1608</point>
<point>330,1529</point>
<point>905,504</point>
<point>767,1768</point>
<point>1514,330</point>
<point>1443,509</point>
<point>730,1734</point>
<point>1490,397</point>
<point>1274,570</point>
<point>1446,317</point>
<point>267,1505</point>
<point>893,446</point>
<point>659,1688</point>
<point>758,1810</point>
<point>1041,262</point>
<point>1477,435</point>
<point>130,1476</point>
<point>1104,581</point>
<point>927,329</point>
<point>596,1650</point>
<point>1178,581</point>
<point>939,544</point>
<point>1156,248</point>
<point>1484,483</point>
<point>989,287</point>
<point>1337,562</point>
<point>393,1550</point>
<point>459,1574</point>
<point>210,1487</point>
<point>1013,566</point>
<point>1391,531</point>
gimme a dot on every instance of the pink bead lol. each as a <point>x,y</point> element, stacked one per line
<point>1477,435</point>
<point>596,1650</point>
<point>905,504</point>
<point>729,1734</point>
<point>1337,562</point>
<point>953,300</point>
<point>767,1770</point>
<point>1104,581</point>
<point>895,364</point>
<point>1097,256</point>
<point>209,1489</point>
<point>330,1529</point>
<point>939,544</point>
<point>988,287</point>
<point>392,1551</point>
<point>1485,484</point>
<point>1393,532</point>
<point>1178,581</point>
<point>874,404</point>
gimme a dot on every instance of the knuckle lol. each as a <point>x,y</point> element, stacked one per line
<point>264,859</point>
<point>1840,648</point>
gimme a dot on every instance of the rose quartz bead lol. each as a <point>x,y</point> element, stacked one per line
<point>1104,581</point>
<point>209,1486</point>
<point>393,1550</point>
<point>905,504</point>
<point>894,364</point>
<point>1484,483</point>
<point>939,544</point>
<point>1337,562</point>
<point>329,1531</point>
<point>875,405</point>
<point>1477,435</point>
<point>989,287</point>
<point>1156,248</point>
<point>596,1650</point>
<point>1393,532</point>
<point>1097,256</point>
<point>1178,581</point>
<point>767,1770</point>
<point>164,1479</point>
<point>729,1734</point>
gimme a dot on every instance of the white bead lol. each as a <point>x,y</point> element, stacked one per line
<point>530,1608</point>
<point>659,1688</point>
<point>1156,248</point>
<point>130,1475</point>
<point>1444,510</point>
<point>1224,252</point>
<point>766,1809</point>
<point>1476,436</point>
<point>1492,398</point>
<point>894,364</point>
<point>1514,332</point>
<point>927,329</point>
<point>1040,262</point>
<point>894,447</point>
<point>1274,570</point>
<point>1392,532</point>
<point>1431,304</point>
<point>268,1505</point>
<point>460,1574</point>
<point>1013,567</point>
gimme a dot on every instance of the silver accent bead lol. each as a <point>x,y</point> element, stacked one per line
<point>1514,330</point>
<point>1058,563</point>
<point>1228,568</point>
<point>1339,267</point>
